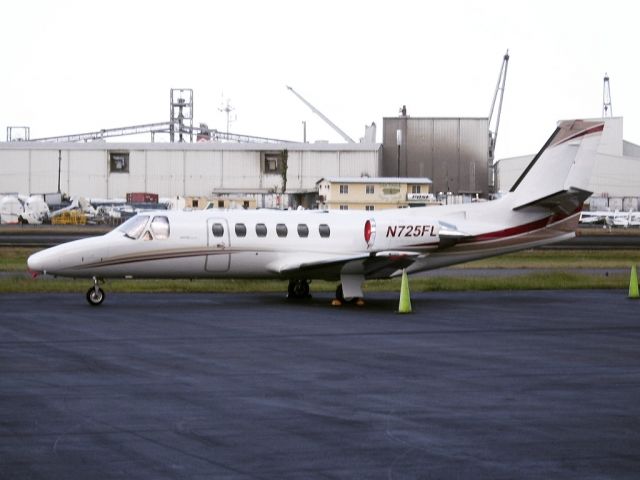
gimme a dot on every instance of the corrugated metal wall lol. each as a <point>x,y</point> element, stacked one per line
<point>85,169</point>
<point>452,152</point>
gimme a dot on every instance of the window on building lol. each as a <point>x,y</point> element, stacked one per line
<point>281,230</point>
<point>344,189</point>
<point>369,190</point>
<point>160,227</point>
<point>344,207</point>
<point>369,207</point>
<point>416,188</point>
<point>220,203</point>
<point>271,162</point>
<point>261,230</point>
<point>303,230</point>
<point>241,230</point>
<point>217,229</point>
<point>324,230</point>
<point>119,162</point>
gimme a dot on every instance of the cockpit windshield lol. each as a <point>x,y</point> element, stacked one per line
<point>134,227</point>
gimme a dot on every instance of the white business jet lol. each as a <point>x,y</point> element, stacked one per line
<point>542,207</point>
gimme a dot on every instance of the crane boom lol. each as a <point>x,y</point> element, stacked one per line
<point>322,116</point>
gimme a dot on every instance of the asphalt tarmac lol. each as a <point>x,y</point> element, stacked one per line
<point>472,385</point>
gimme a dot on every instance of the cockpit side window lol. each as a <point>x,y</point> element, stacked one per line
<point>134,227</point>
<point>160,227</point>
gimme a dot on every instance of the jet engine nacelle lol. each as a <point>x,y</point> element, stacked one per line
<point>400,233</point>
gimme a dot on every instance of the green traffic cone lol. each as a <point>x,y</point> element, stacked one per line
<point>633,283</point>
<point>405,300</point>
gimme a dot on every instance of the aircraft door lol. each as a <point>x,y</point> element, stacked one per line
<point>218,244</point>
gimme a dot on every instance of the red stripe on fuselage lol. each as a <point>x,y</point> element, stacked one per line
<point>520,229</point>
<point>509,232</point>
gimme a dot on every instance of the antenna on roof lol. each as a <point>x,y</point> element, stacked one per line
<point>227,108</point>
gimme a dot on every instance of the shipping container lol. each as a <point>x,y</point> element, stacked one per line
<point>142,197</point>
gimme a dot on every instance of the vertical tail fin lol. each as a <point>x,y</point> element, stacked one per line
<point>559,175</point>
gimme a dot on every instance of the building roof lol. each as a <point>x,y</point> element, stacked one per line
<point>369,180</point>
<point>197,146</point>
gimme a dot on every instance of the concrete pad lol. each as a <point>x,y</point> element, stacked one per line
<point>471,385</point>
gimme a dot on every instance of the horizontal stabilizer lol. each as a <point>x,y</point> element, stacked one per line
<point>564,202</point>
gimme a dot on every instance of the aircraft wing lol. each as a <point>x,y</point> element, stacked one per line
<point>330,267</point>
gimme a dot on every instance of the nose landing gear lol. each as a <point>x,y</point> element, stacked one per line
<point>95,295</point>
<point>298,289</point>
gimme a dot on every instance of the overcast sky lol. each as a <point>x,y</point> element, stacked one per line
<point>75,66</point>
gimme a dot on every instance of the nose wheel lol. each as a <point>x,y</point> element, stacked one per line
<point>95,295</point>
<point>298,289</point>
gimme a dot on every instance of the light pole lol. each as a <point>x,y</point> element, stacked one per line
<point>399,142</point>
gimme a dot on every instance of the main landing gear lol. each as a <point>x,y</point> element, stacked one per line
<point>299,290</point>
<point>340,300</point>
<point>95,295</point>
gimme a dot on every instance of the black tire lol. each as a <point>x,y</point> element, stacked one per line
<point>298,289</point>
<point>95,298</point>
<point>339,293</point>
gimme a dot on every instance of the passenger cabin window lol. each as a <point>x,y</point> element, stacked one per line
<point>303,230</point>
<point>261,230</point>
<point>160,227</point>
<point>281,230</point>
<point>134,227</point>
<point>217,229</point>
<point>324,230</point>
<point>241,230</point>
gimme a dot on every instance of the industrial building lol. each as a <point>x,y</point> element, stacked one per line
<point>457,154</point>
<point>452,152</point>
<point>615,180</point>
<point>276,175</point>
<point>452,158</point>
<point>373,193</point>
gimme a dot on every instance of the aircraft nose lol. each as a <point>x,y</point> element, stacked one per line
<point>37,262</point>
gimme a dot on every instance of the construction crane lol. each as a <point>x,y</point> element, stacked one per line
<point>494,121</point>
<point>607,108</point>
<point>502,79</point>
<point>322,116</point>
